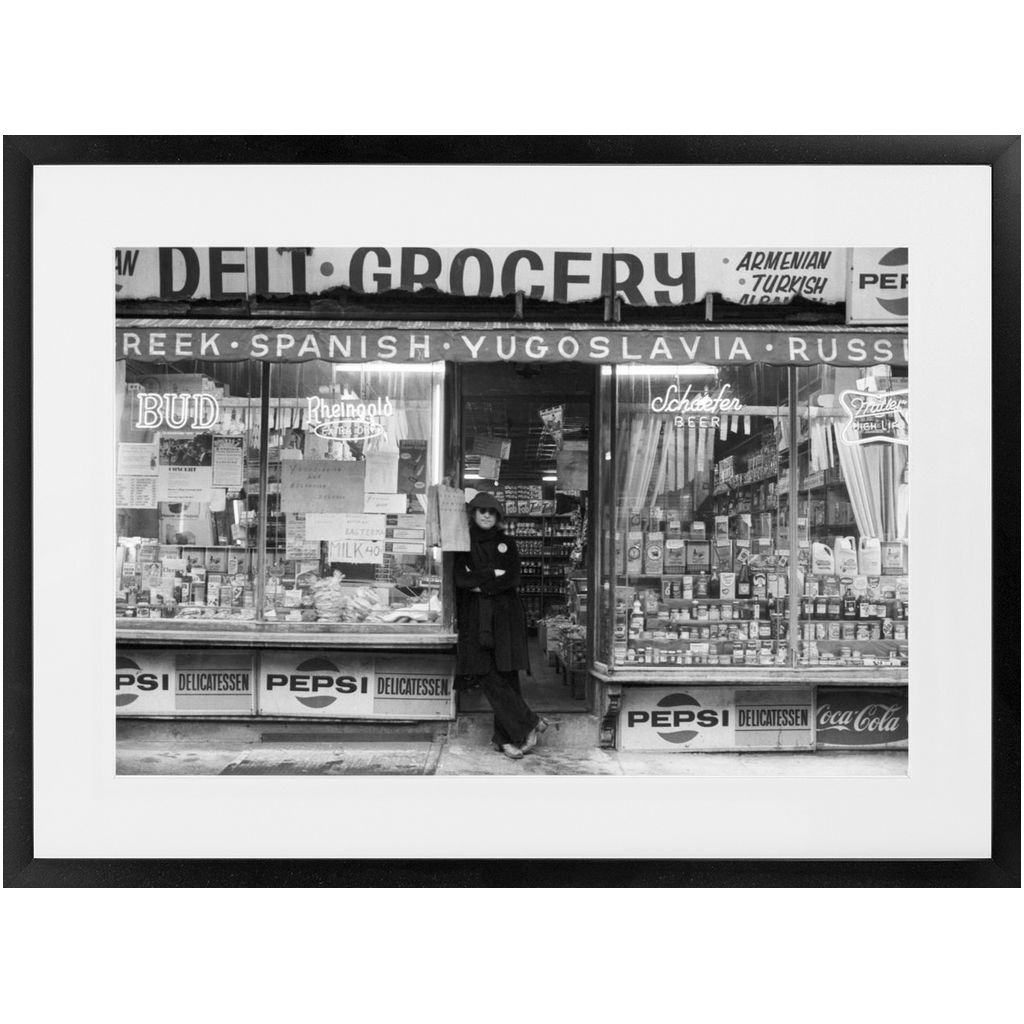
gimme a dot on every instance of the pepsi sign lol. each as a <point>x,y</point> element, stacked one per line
<point>344,684</point>
<point>878,291</point>
<point>716,718</point>
<point>336,683</point>
<point>166,682</point>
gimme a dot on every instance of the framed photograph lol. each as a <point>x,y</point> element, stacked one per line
<point>270,445</point>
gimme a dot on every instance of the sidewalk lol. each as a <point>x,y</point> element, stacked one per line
<point>471,755</point>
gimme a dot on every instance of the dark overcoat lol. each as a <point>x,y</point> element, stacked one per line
<point>489,550</point>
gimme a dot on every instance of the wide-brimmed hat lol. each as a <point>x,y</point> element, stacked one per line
<point>484,500</point>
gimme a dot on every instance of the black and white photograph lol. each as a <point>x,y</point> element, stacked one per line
<point>578,538</point>
<point>513,510</point>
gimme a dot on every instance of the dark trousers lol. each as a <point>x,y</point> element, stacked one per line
<point>513,719</point>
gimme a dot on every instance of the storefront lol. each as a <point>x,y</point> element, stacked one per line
<point>703,454</point>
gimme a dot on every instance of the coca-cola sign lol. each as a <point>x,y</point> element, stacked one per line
<point>862,718</point>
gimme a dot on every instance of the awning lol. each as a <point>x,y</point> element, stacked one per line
<point>154,340</point>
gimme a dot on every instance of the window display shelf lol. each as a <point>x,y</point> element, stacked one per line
<point>284,634</point>
<point>767,676</point>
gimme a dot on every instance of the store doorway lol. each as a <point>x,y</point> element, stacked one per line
<point>525,436</point>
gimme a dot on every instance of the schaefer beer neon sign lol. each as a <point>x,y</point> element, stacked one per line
<point>701,409</point>
<point>876,417</point>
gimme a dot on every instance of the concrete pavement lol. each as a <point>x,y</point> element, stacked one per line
<point>569,747</point>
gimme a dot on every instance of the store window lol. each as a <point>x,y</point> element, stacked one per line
<point>709,562</point>
<point>313,520</point>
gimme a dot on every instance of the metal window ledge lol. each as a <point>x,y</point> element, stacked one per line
<point>758,677</point>
<point>257,635</point>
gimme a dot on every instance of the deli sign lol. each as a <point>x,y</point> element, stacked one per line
<point>673,275</point>
<point>174,682</point>
<point>344,684</point>
<point>862,718</point>
<point>718,718</point>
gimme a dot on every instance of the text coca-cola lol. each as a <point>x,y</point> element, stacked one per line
<point>870,718</point>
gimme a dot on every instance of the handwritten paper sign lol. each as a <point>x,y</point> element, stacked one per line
<point>451,503</point>
<point>322,486</point>
<point>393,504</point>
<point>344,526</point>
<point>367,551</point>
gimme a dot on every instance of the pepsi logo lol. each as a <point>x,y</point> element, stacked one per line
<point>675,710</point>
<point>129,674</point>
<point>311,678</point>
<point>889,281</point>
<point>122,664</point>
<point>675,700</point>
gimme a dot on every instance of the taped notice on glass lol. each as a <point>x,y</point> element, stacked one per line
<point>296,546</point>
<point>228,461</point>
<point>327,526</point>
<point>322,486</point>
<point>451,506</point>
<point>137,459</point>
<point>367,551</point>
<point>136,492</point>
<point>387,503</point>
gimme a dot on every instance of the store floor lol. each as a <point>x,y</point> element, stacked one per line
<point>544,688</point>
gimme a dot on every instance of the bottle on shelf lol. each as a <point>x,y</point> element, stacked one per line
<point>636,618</point>
<point>743,585</point>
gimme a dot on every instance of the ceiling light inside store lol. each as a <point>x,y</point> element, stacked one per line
<point>550,479</point>
<point>685,370</point>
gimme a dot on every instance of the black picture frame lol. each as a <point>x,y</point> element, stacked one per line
<point>23,154</point>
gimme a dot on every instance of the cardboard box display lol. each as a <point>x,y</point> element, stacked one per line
<point>654,553</point>
<point>675,554</point>
<point>634,552</point>
<point>698,556</point>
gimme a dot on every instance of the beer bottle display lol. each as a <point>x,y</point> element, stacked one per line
<point>743,585</point>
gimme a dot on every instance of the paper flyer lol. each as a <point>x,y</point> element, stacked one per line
<point>412,467</point>
<point>136,491</point>
<point>137,460</point>
<point>451,503</point>
<point>184,472</point>
<point>490,468</point>
<point>296,545</point>
<point>228,461</point>
<point>381,472</point>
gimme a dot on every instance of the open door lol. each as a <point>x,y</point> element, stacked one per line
<point>525,437</point>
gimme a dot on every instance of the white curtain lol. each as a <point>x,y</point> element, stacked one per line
<point>875,480</point>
